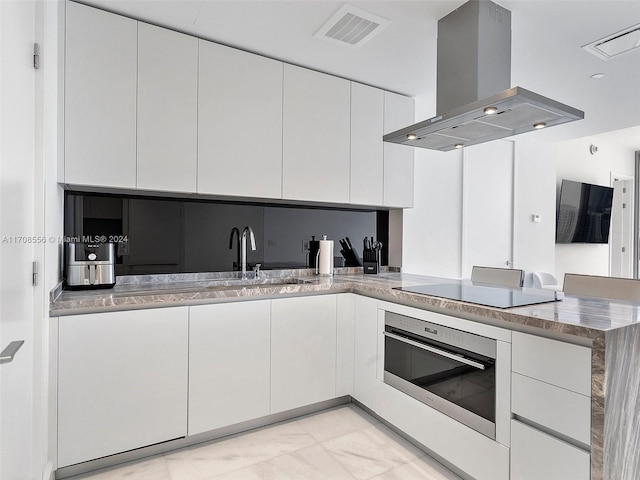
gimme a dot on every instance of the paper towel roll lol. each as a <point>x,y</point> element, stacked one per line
<point>324,265</point>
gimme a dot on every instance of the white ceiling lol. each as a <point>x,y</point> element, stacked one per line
<point>547,36</point>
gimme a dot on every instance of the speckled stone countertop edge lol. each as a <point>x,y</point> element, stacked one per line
<point>583,317</point>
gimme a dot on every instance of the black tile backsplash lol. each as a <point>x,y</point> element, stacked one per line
<point>166,235</point>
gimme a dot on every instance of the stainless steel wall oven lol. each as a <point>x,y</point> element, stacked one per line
<point>448,369</point>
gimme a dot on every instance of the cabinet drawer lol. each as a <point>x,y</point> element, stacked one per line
<point>561,410</point>
<point>558,363</point>
<point>536,456</point>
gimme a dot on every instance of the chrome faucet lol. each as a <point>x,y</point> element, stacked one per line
<point>235,231</point>
<point>243,244</point>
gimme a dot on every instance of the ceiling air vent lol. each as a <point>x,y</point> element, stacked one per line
<point>351,26</point>
<point>616,44</point>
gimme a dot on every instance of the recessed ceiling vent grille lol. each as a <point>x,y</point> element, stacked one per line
<point>616,44</point>
<point>352,27</point>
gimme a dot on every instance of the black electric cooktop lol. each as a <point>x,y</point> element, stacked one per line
<point>499,297</point>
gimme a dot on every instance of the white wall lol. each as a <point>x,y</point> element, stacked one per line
<point>534,194</point>
<point>51,48</point>
<point>487,205</point>
<point>574,162</point>
<point>433,229</point>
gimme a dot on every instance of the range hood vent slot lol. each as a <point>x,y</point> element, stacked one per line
<point>474,101</point>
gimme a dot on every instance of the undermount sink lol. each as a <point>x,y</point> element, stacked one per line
<point>210,285</point>
<point>243,284</point>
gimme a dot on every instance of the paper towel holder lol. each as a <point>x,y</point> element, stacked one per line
<point>324,258</point>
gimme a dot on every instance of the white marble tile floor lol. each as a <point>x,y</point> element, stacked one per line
<point>340,443</point>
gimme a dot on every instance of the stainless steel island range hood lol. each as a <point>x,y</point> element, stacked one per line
<point>474,101</point>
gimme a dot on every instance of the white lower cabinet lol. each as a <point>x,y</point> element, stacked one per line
<point>346,304</point>
<point>122,382</point>
<point>136,378</point>
<point>551,402</point>
<point>536,455</point>
<point>365,348</point>
<point>479,456</point>
<point>558,363</point>
<point>558,409</point>
<point>303,351</point>
<point>229,358</point>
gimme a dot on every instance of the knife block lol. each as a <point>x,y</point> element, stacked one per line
<point>351,258</point>
<point>370,261</point>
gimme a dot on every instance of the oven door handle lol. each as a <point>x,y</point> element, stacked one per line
<point>437,351</point>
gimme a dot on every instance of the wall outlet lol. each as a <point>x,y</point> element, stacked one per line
<point>122,249</point>
<point>305,245</point>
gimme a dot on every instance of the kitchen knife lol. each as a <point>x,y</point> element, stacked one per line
<point>349,245</point>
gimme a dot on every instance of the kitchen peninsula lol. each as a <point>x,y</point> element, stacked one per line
<point>608,331</point>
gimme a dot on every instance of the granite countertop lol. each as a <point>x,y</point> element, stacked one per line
<point>582,316</point>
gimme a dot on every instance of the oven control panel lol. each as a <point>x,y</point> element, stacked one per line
<point>450,336</point>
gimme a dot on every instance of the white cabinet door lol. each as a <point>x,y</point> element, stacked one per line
<point>122,382</point>
<point>346,306</point>
<point>367,162</point>
<point>555,408</point>
<point>100,98</point>
<point>239,123</point>
<point>536,455</point>
<point>398,159</point>
<point>559,363</point>
<point>229,357</point>
<point>303,351</point>
<point>316,138</point>
<point>365,383</point>
<point>167,109</point>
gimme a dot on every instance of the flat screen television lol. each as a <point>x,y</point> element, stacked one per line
<point>584,213</point>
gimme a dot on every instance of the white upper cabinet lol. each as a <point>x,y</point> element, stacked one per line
<point>167,109</point>
<point>316,136</point>
<point>367,163</point>
<point>100,98</point>
<point>152,109</point>
<point>398,159</point>
<point>239,123</point>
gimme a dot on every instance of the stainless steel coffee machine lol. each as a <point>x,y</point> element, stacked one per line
<point>91,265</point>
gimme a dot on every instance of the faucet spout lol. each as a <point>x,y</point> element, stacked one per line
<point>243,260</point>
<point>236,232</point>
